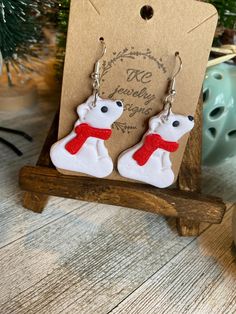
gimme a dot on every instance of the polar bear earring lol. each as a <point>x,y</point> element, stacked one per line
<point>149,161</point>
<point>83,150</point>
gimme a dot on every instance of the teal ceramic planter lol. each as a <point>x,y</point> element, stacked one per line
<point>219,110</point>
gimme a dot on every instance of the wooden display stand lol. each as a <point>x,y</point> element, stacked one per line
<point>185,202</point>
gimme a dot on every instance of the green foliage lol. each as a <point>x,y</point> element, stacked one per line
<point>17,27</point>
<point>227,12</point>
<point>20,26</point>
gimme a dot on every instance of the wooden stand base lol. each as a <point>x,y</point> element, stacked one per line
<point>185,203</point>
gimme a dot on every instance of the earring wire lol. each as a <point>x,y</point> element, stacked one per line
<point>96,74</point>
<point>180,65</point>
<point>168,101</point>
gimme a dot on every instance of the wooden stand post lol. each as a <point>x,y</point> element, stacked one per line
<point>185,203</point>
<point>190,172</point>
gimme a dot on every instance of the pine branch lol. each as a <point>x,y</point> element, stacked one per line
<point>227,12</point>
<point>21,25</point>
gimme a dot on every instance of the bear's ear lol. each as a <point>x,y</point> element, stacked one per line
<point>98,97</point>
<point>154,123</point>
<point>164,115</point>
<point>82,111</point>
<point>90,100</point>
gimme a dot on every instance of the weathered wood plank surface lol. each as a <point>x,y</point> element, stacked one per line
<point>201,279</point>
<point>89,260</point>
<point>221,180</point>
<point>15,221</point>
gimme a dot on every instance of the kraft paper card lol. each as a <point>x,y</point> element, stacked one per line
<point>139,61</point>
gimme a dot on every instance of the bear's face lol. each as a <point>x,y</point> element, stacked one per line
<point>172,129</point>
<point>102,115</point>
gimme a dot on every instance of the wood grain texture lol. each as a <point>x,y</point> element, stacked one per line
<point>168,202</point>
<point>220,180</point>
<point>15,221</point>
<point>187,227</point>
<point>35,201</point>
<point>189,178</point>
<point>44,157</point>
<point>190,171</point>
<point>200,280</point>
<point>85,262</point>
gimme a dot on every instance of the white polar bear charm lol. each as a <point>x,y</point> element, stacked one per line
<point>83,150</point>
<point>149,160</point>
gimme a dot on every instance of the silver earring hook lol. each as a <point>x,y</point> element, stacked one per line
<point>104,48</point>
<point>168,101</point>
<point>96,74</point>
<point>180,65</point>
